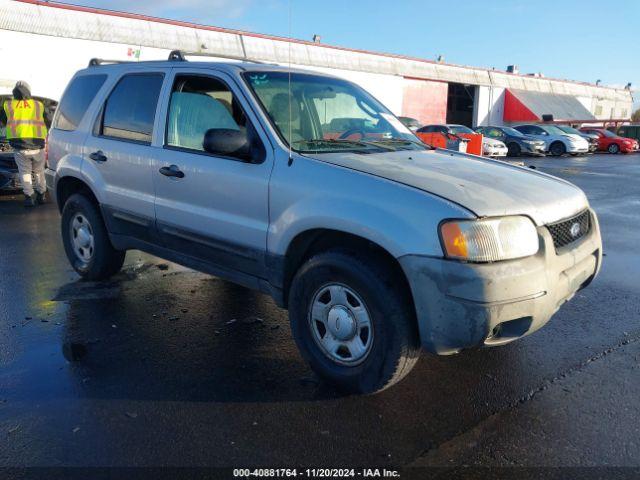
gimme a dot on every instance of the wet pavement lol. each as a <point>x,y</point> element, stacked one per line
<point>163,366</point>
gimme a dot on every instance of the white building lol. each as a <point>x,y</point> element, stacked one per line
<point>57,39</point>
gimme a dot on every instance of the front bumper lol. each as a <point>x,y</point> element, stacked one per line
<point>629,148</point>
<point>464,305</point>
<point>495,151</point>
<point>577,148</point>
<point>533,149</point>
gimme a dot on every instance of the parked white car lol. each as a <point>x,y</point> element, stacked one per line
<point>493,148</point>
<point>557,142</point>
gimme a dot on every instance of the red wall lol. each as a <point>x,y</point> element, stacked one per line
<point>425,100</point>
<point>516,111</point>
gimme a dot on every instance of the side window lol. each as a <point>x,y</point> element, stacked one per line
<point>81,91</point>
<point>130,110</point>
<point>525,129</point>
<point>199,104</point>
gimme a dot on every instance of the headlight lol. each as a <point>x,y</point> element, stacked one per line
<point>489,239</point>
<point>530,142</point>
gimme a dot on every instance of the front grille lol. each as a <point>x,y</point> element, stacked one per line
<point>566,232</point>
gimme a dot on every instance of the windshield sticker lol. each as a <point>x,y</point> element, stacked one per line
<point>395,123</point>
<point>258,79</point>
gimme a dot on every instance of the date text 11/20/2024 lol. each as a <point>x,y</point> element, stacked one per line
<point>315,473</point>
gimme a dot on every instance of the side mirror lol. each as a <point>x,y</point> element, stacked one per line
<point>227,142</point>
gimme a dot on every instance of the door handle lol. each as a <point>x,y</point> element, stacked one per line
<point>172,171</point>
<point>98,156</point>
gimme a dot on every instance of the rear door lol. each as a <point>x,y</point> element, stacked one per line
<point>119,156</point>
<point>217,209</point>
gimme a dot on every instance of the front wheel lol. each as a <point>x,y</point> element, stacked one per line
<point>514,150</point>
<point>86,241</point>
<point>557,149</point>
<point>613,148</point>
<point>352,321</point>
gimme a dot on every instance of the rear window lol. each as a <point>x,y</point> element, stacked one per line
<point>130,110</point>
<point>76,100</point>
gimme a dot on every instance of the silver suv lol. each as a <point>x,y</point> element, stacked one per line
<point>303,186</point>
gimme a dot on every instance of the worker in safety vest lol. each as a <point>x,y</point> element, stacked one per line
<point>26,132</point>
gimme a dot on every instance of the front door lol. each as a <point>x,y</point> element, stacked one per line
<point>213,208</point>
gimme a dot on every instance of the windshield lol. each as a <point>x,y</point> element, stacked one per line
<point>552,129</point>
<point>607,133</point>
<point>568,129</point>
<point>457,129</point>
<point>512,132</point>
<point>326,114</point>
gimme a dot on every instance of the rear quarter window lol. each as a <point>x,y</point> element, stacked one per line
<point>81,91</point>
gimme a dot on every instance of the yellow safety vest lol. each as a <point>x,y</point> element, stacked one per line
<point>25,119</point>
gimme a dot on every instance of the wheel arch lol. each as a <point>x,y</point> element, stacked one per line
<point>69,185</point>
<point>313,241</point>
<point>558,142</point>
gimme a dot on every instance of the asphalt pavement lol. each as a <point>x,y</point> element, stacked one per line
<point>164,366</point>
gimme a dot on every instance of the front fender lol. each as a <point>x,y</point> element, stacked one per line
<point>400,219</point>
<point>366,221</point>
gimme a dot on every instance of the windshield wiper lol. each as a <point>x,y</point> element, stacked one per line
<point>404,141</point>
<point>337,142</point>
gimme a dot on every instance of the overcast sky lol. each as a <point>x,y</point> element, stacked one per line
<point>582,40</point>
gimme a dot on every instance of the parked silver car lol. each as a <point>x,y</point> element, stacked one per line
<point>303,186</point>
<point>557,142</point>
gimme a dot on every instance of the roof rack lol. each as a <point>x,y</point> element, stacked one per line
<point>181,56</point>
<point>94,62</point>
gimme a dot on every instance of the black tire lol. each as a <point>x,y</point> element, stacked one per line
<point>105,260</point>
<point>613,148</point>
<point>513,150</point>
<point>395,345</point>
<point>557,149</point>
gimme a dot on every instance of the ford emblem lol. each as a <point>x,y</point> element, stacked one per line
<point>575,230</point>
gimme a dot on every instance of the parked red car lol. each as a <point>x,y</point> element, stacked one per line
<point>612,143</point>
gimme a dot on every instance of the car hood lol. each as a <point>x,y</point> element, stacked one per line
<point>575,137</point>
<point>485,187</point>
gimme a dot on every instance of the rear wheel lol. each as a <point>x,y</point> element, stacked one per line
<point>514,150</point>
<point>86,241</point>
<point>613,148</point>
<point>557,149</point>
<point>352,322</point>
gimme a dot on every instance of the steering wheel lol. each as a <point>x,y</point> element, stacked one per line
<point>352,131</point>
